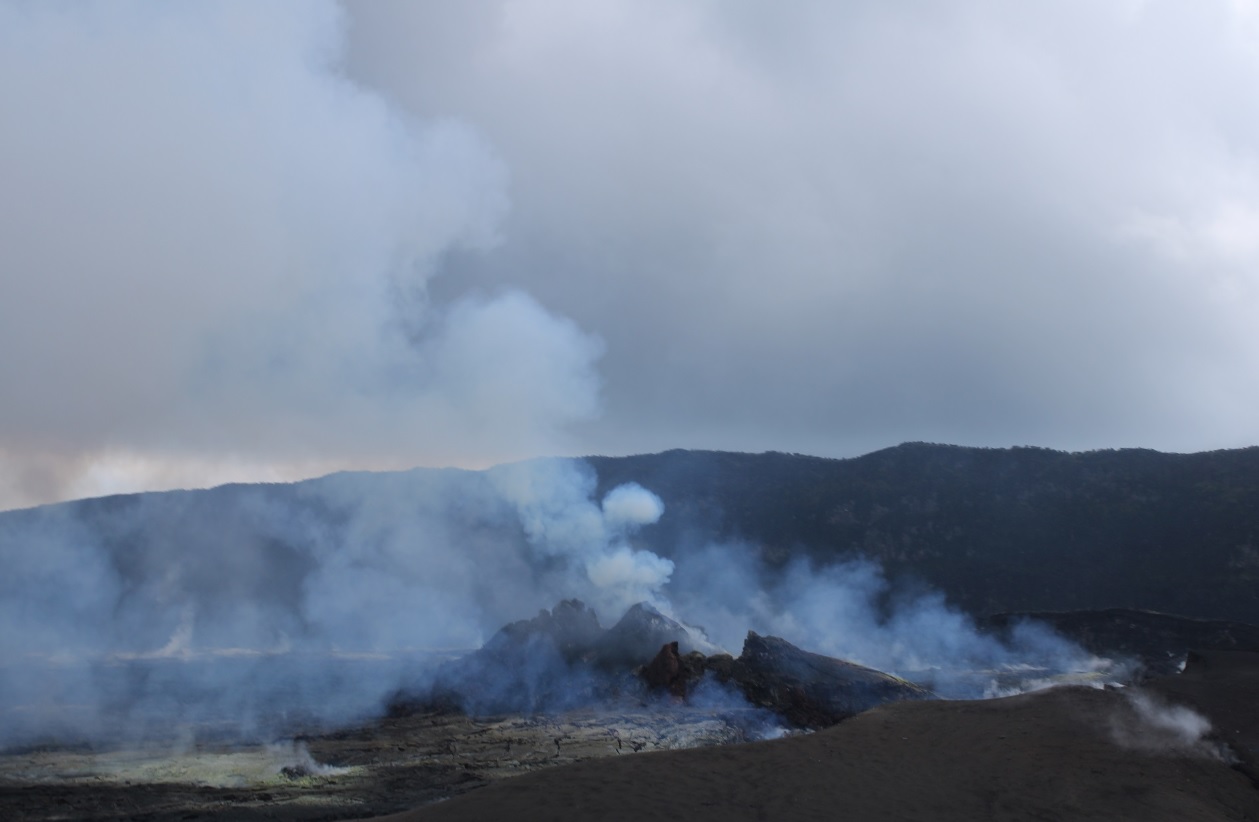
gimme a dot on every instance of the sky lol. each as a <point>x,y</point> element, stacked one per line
<point>246,241</point>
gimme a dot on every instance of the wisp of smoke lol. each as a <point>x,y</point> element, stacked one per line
<point>754,722</point>
<point>1158,727</point>
<point>848,609</point>
<point>293,759</point>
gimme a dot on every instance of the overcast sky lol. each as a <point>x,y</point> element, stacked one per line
<point>266,241</point>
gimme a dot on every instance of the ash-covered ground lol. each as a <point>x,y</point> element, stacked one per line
<point>1174,748</point>
<point>552,690</point>
<point>382,767</point>
<point>1194,734</point>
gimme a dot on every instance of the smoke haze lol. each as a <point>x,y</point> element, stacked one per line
<point>266,241</point>
<point>246,610</point>
<point>1156,727</point>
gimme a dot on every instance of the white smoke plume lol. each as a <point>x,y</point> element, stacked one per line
<point>848,609</point>
<point>1158,727</point>
<point>293,759</point>
<point>554,499</point>
<point>631,506</point>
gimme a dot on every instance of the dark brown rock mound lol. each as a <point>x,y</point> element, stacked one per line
<point>807,690</point>
<point>1049,755</point>
<point>673,671</point>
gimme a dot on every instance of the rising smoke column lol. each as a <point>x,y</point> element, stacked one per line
<point>562,520</point>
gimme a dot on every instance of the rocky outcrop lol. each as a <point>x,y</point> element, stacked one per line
<point>810,690</point>
<point>563,659</point>
<point>807,690</point>
<point>674,672</point>
<point>664,671</point>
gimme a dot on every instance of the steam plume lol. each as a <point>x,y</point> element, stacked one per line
<point>1158,727</point>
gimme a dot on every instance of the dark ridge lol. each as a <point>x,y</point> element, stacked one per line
<point>997,530</point>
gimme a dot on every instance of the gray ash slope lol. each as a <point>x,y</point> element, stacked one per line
<point>1063,753</point>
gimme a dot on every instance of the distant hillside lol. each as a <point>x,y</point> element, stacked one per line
<point>997,530</point>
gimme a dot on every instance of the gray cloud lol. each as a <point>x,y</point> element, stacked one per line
<point>244,241</point>
<point>828,229</point>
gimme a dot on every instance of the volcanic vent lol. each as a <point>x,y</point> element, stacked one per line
<point>563,659</point>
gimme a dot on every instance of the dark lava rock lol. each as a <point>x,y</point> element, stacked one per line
<point>563,659</point>
<point>721,666</point>
<point>664,672</point>
<point>807,690</point>
<point>1158,641</point>
<point>674,672</point>
<point>811,690</point>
